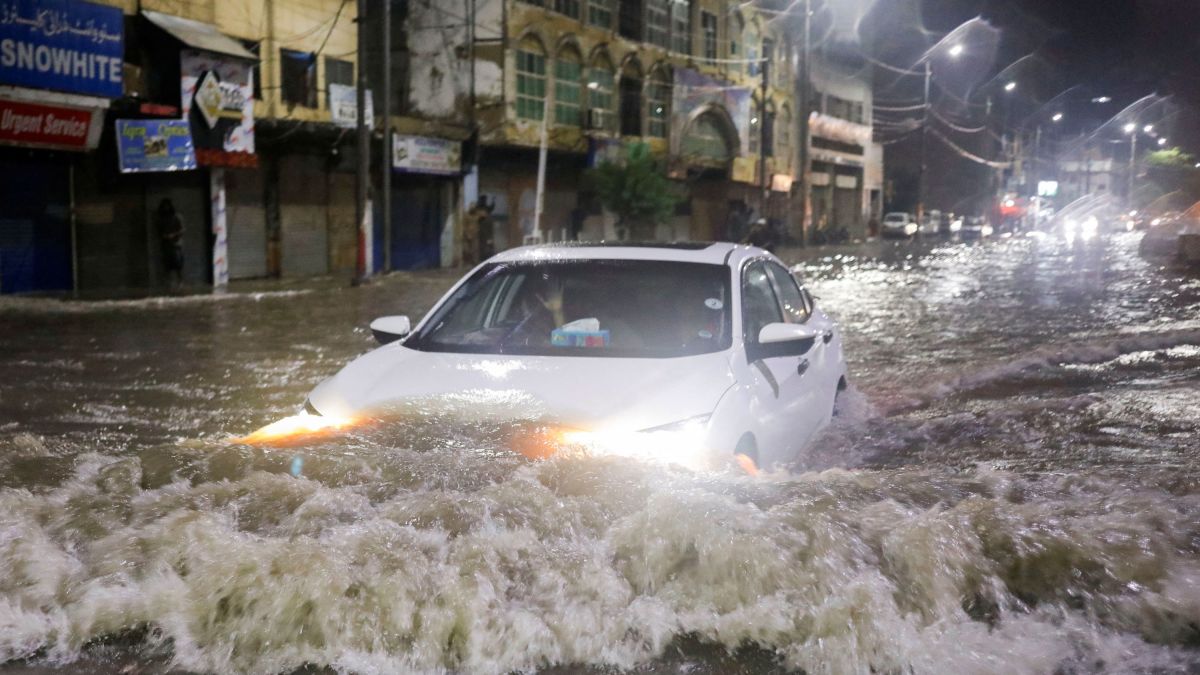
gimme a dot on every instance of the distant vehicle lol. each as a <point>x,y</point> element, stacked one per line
<point>688,353</point>
<point>931,223</point>
<point>975,227</point>
<point>898,225</point>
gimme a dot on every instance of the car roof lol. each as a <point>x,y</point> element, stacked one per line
<point>713,253</point>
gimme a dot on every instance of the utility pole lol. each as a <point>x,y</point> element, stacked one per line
<point>924,169</point>
<point>802,162</point>
<point>362,174</point>
<point>385,154</point>
<point>762,139</point>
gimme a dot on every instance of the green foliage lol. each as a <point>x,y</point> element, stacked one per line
<point>1171,158</point>
<point>636,190</point>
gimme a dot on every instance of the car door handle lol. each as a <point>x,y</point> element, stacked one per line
<point>802,367</point>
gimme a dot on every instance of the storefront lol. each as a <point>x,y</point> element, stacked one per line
<point>55,84</point>
<point>426,173</point>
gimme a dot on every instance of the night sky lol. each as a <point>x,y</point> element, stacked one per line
<point>1123,49</point>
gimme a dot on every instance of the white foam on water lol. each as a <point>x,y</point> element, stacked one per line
<point>598,561</point>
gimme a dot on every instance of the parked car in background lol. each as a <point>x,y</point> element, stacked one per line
<point>975,227</point>
<point>898,225</point>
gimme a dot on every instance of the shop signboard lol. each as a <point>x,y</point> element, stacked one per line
<point>155,145</point>
<point>422,154</point>
<point>217,94</point>
<point>40,125</point>
<point>63,45</point>
<point>343,106</point>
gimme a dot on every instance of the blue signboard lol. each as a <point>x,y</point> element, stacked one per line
<point>66,45</point>
<point>155,145</point>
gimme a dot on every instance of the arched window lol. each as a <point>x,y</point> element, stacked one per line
<point>601,101</point>
<point>568,72</point>
<point>631,98</point>
<point>707,140</point>
<point>736,27</point>
<point>658,100</point>
<point>531,79</point>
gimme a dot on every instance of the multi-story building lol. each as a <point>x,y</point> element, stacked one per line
<point>264,188</point>
<point>265,94</point>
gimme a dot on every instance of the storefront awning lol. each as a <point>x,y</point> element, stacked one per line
<point>199,35</point>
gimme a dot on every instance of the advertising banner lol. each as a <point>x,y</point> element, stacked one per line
<point>694,90</point>
<point>343,106</point>
<point>217,93</point>
<point>48,126</point>
<point>154,145</point>
<point>64,45</point>
<point>421,154</point>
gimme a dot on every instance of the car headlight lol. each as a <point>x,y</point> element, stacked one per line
<point>681,442</point>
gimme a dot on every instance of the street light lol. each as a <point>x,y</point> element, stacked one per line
<point>1102,99</point>
<point>1057,117</point>
<point>956,50</point>
<point>1130,128</point>
<point>1162,141</point>
<point>1148,128</point>
<point>1010,86</point>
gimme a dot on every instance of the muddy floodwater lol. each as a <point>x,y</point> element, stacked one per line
<point>1012,486</point>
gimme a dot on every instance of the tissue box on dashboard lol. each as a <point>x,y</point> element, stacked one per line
<point>578,338</point>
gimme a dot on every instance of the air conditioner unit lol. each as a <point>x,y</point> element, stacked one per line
<point>599,118</point>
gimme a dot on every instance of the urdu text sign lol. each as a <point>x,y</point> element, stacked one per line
<point>64,45</point>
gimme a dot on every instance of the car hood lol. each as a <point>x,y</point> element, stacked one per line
<point>587,392</point>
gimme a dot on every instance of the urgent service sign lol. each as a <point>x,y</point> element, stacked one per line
<point>48,126</point>
<point>64,45</point>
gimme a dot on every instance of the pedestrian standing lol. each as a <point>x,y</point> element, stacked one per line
<point>170,228</point>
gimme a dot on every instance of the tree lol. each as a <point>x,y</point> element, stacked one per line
<point>1168,172</point>
<point>636,190</point>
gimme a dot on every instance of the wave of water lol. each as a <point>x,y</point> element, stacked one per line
<point>381,559</point>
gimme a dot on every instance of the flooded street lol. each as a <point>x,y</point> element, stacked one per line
<point>1012,486</point>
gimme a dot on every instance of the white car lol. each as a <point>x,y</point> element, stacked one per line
<point>898,224</point>
<point>687,353</point>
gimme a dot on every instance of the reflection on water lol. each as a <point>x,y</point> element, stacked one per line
<point>1011,486</point>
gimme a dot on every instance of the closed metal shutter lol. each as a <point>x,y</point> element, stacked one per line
<point>247,224</point>
<point>303,216</point>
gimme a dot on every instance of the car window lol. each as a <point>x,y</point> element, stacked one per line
<point>759,304</point>
<point>795,309</point>
<point>625,308</point>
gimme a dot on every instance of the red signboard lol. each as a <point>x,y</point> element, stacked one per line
<point>40,125</point>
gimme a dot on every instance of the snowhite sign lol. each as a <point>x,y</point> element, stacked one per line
<point>422,154</point>
<point>65,45</point>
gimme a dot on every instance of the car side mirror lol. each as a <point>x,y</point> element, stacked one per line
<point>390,328</point>
<point>775,333</point>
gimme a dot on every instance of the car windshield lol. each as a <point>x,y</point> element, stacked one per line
<point>895,217</point>
<point>623,308</point>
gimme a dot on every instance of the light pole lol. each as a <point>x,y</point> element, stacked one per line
<point>955,50</point>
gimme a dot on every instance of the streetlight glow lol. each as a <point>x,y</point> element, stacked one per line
<point>1010,86</point>
<point>1129,128</point>
<point>1102,99</point>
<point>956,50</point>
<point>1162,141</point>
<point>1148,128</point>
<point>1057,117</point>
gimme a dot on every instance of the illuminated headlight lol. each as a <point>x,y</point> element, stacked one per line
<point>1089,227</point>
<point>1069,227</point>
<point>681,442</point>
<point>910,228</point>
<point>955,225</point>
<point>1156,221</point>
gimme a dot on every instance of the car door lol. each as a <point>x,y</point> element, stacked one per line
<point>782,403</point>
<point>824,367</point>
